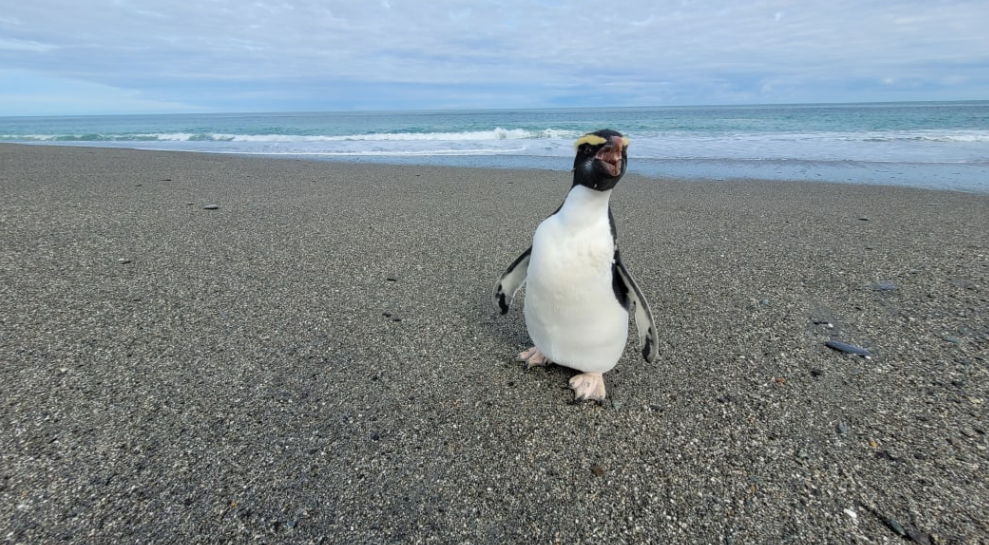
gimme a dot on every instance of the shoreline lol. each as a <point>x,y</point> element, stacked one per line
<point>960,177</point>
<point>318,358</point>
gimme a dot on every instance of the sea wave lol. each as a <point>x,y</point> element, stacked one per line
<point>947,146</point>
<point>963,138</point>
<point>95,137</point>
<point>498,133</point>
<point>386,153</point>
<point>503,134</point>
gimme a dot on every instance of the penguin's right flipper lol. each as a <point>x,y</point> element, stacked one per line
<point>511,281</point>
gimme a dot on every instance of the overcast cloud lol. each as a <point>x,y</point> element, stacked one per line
<point>125,56</point>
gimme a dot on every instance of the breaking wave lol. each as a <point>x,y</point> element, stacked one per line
<point>497,133</point>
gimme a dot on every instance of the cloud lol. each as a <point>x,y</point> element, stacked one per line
<point>24,45</point>
<point>276,55</point>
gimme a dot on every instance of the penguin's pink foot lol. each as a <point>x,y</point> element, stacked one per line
<point>588,386</point>
<point>533,358</point>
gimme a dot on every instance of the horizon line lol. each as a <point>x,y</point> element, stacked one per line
<point>505,109</point>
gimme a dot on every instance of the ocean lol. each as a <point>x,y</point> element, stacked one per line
<point>938,145</point>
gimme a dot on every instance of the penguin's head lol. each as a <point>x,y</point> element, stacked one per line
<point>601,159</point>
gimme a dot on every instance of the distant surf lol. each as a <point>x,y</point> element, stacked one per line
<point>939,145</point>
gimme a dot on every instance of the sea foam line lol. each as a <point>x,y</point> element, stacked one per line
<point>395,153</point>
<point>497,133</point>
<point>494,134</point>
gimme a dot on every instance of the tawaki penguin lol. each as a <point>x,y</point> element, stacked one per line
<point>579,294</point>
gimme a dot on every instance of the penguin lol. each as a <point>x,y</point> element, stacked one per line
<point>579,294</point>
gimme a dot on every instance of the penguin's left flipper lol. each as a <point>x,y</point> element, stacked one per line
<point>635,302</point>
<point>511,281</point>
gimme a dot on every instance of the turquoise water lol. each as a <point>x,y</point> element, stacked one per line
<point>942,145</point>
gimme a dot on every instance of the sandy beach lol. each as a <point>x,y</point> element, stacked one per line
<point>317,359</point>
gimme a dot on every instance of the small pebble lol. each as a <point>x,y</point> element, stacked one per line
<point>885,455</point>
<point>919,537</point>
<point>598,470</point>
<point>842,429</point>
<point>885,286</point>
<point>848,348</point>
<point>896,527</point>
<point>123,261</point>
<point>211,207</point>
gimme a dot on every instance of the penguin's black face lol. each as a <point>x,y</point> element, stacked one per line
<point>601,159</point>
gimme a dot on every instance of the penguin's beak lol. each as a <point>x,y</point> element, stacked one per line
<point>611,156</point>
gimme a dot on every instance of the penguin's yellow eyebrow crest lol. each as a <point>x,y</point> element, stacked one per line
<point>591,139</point>
<point>595,140</point>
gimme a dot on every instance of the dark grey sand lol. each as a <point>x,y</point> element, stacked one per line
<point>318,360</point>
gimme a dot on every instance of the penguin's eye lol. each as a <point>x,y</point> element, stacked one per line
<point>588,150</point>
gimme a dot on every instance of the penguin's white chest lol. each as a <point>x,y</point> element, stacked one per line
<point>571,310</point>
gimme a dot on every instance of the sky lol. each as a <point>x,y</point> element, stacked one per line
<point>70,57</point>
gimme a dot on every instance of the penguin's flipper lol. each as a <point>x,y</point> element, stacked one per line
<point>644,322</point>
<point>511,281</point>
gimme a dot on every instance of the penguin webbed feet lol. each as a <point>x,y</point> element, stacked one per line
<point>588,387</point>
<point>585,386</point>
<point>533,358</point>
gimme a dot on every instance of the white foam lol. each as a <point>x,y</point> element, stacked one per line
<point>166,137</point>
<point>497,133</point>
<point>387,153</point>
